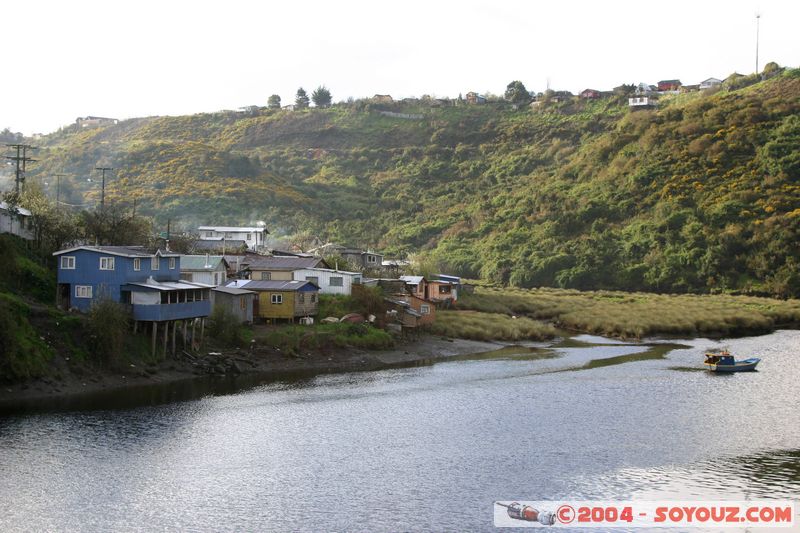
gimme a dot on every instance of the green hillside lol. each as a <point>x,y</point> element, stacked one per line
<point>698,195</point>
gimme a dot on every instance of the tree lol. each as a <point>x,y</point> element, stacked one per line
<point>516,93</point>
<point>53,228</point>
<point>274,102</point>
<point>321,97</point>
<point>301,99</point>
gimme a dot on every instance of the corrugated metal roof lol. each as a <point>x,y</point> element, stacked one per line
<point>21,210</point>
<point>333,271</point>
<point>412,280</point>
<point>233,229</point>
<point>283,263</point>
<point>124,251</point>
<point>198,262</point>
<point>168,285</point>
<point>232,290</point>
<point>274,285</point>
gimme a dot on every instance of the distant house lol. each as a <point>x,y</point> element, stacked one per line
<point>590,94</point>
<point>16,220</point>
<point>207,269</point>
<point>689,88</point>
<point>95,122</point>
<point>644,89</point>
<point>329,281</point>
<point>641,102</point>
<point>280,267</point>
<point>281,300</point>
<point>221,247</point>
<point>252,236</point>
<point>475,98</point>
<point>383,98</point>
<point>416,285</point>
<point>710,83</point>
<point>442,292</point>
<point>669,85</point>
<point>425,308</point>
<point>361,259</point>
<point>235,301</point>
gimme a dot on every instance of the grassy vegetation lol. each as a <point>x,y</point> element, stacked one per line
<point>636,315</point>
<point>476,325</point>
<point>23,354</point>
<point>297,339</point>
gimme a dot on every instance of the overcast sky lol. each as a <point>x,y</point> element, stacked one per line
<point>131,58</point>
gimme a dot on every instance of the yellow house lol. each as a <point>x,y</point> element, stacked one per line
<point>282,300</point>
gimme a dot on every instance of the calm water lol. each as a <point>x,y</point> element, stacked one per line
<point>424,448</point>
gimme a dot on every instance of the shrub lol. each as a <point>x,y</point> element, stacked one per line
<point>108,326</point>
<point>225,327</point>
<point>23,354</point>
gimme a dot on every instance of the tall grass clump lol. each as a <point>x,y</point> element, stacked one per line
<point>23,354</point>
<point>489,326</point>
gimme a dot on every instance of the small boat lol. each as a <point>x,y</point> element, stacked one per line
<point>724,362</point>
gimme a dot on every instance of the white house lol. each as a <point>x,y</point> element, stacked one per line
<point>17,222</point>
<point>207,269</point>
<point>641,101</point>
<point>710,83</point>
<point>252,236</point>
<point>328,280</point>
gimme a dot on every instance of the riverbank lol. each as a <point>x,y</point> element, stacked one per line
<point>72,383</point>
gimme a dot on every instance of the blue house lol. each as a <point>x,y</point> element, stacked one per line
<point>147,282</point>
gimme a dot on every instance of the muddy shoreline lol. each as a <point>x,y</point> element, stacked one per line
<point>217,372</point>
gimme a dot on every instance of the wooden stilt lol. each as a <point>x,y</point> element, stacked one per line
<point>202,329</point>
<point>185,332</point>
<point>135,324</point>
<point>153,350</point>
<point>174,332</point>
<point>166,336</point>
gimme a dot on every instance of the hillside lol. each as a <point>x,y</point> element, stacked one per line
<point>698,195</point>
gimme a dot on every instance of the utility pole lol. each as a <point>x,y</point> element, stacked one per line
<point>103,187</point>
<point>58,188</point>
<point>758,27</point>
<point>20,157</point>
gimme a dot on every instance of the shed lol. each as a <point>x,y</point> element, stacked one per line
<point>237,302</point>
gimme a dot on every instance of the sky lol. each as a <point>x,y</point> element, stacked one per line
<point>135,58</point>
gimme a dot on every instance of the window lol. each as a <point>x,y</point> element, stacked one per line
<point>336,281</point>
<point>249,236</point>
<point>277,298</point>
<point>83,291</point>
<point>444,289</point>
<point>209,234</point>
<point>266,276</point>
<point>216,278</point>
<point>106,263</point>
<point>301,298</point>
<point>172,263</point>
<point>242,302</point>
<point>154,263</point>
<point>425,309</point>
<point>372,259</point>
<point>357,281</point>
<point>313,279</point>
<point>67,262</point>
<point>137,264</point>
<point>313,298</point>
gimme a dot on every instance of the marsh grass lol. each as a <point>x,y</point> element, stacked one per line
<point>484,326</point>
<point>637,315</point>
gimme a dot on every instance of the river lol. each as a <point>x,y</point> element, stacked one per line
<point>421,448</point>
